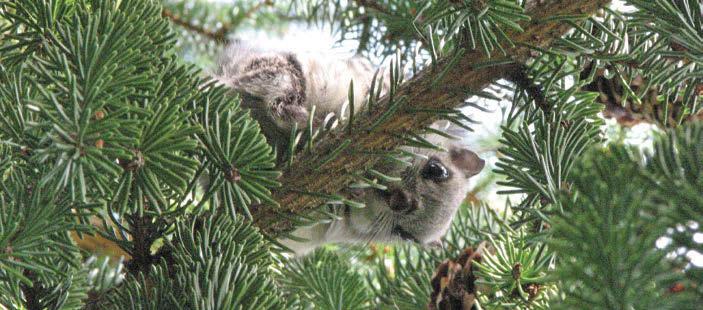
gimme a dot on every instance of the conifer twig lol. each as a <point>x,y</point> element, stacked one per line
<point>374,6</point>
<point>468,72</point>
<point>365,34</point>
<point>219,36</point>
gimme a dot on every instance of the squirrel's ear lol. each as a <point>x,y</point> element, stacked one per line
<point>467,161</point>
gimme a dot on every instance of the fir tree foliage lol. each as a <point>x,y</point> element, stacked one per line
<point>624,264</point>
<point>386,27</point>
<point>626,213</point>
<point>324,280</point>
<point>39,262</point>
<point>105,130</point>
<point>101,122</point>
<point>205,268</point>
<point>545,135</point>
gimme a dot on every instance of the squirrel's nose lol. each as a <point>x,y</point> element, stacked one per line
<point>401,200</point>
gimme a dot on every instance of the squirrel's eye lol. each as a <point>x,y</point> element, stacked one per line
<point>435,171</point>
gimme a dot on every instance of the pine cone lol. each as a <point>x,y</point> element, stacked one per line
<point>453,284</point>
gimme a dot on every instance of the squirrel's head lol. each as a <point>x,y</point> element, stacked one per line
<point>420,207</point>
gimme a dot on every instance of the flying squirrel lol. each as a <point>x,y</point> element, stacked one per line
<point>281,88</point>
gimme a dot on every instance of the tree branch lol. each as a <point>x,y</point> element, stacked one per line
<point>32,294</point>
<point>365,34</point>
<point>370,4</point>
<point>420,92</point>
<point>219,36</point>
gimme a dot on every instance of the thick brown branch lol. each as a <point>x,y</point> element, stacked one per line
<point>419,92</point>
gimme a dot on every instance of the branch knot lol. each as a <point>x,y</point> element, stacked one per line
<point>134,164</point>
<point>232,174</point>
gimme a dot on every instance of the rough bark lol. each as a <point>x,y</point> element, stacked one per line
<point>465,74</point>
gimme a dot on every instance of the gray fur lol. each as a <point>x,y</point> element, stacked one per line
<point>435,204</point>
<point>281,88</point>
